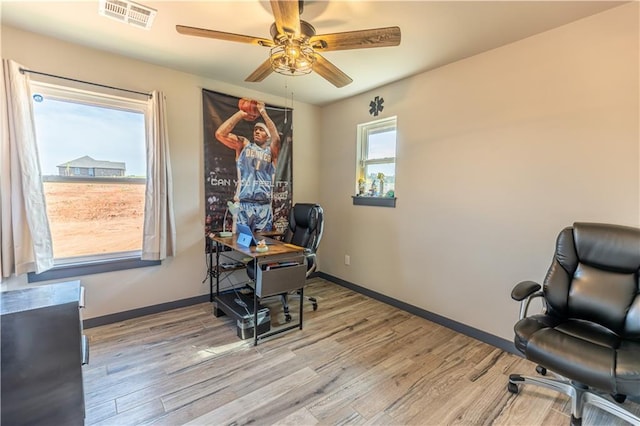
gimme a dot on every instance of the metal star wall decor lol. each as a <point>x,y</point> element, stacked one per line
<point>375,106</point>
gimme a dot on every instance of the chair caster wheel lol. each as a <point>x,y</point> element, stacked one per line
<point>287,318</point>
<point>619,398</point>
<point>512,387</point>
<point>541,370</point>
<point>575,421</point>
<point>315,306</point>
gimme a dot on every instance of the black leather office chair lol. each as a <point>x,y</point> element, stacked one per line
<point>589,332</point>
<point>306,224</point>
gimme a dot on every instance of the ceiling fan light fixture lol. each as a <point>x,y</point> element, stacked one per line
<point>292,58</point>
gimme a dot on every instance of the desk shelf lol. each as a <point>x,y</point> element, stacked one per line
<point>240,307</point>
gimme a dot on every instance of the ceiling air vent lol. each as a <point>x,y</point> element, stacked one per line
<point>128,12</point>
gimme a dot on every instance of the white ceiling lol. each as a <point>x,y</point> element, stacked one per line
<point>434,33</point>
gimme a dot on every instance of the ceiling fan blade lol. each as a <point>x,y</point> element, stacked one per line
<point>220,35</point>
<point>261,72</point>
<point>362,39</point>
<point>330,72</point>
<point>287,16</point>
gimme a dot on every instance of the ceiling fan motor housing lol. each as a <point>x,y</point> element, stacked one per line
<point>306,32</point>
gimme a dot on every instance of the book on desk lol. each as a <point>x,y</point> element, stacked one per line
<point>276,265</point>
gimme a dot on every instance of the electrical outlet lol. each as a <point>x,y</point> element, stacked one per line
<point>347,259</point>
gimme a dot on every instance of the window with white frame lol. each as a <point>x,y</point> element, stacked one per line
<point>91,148</point>
<point>376,167</point>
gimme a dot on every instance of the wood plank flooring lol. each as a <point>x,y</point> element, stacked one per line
<point>356,362</point>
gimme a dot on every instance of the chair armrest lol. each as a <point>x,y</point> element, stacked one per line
<point>524,292</point>
<point>524,289</point>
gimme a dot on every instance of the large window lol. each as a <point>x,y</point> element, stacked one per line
<point>376,167</point>
<point>91,148</point>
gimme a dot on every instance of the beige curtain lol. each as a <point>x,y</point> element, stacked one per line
<point>159,239</point>
<point>25,237</point>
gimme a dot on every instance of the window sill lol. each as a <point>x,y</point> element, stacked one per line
<point>90,268</point>
<point>374,201</point>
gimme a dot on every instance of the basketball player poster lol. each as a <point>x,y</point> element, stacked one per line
<point>247,163</point>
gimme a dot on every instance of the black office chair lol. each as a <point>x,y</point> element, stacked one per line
<point>306,223</point>
<point>589,332</point>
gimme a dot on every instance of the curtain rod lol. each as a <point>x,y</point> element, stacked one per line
<point>23,70</point>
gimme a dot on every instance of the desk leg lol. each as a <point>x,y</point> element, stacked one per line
<point>301,305</point>
<point>218,249</point>
<point>255,305</point>
<point>210,271</point>
<point>255,319</point>
<point>216,311</point>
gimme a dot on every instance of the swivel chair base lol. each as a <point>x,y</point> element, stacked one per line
<point>580,396</point>
<point>285,303</point>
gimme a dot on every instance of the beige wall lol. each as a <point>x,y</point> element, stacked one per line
<point>179,277</point>
<point>496,154</point>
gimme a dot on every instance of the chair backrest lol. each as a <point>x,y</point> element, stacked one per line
<point>594,277</point>
<point>306,222</point>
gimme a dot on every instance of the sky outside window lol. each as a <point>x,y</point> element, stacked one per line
<point>67,130</point>
<point>382,145</point>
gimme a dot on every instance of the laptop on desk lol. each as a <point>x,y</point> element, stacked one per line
<point>247,238</point>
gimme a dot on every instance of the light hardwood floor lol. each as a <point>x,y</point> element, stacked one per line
<point>357,361</point>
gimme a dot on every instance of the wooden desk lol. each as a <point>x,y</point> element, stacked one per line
<point>279,270</point>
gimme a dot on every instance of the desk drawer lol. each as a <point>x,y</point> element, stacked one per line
<point>280,280</point>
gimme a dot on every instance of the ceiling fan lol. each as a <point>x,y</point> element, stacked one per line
<point>295,46</point>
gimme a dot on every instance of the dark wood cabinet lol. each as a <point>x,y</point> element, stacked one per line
<point>42,353</point>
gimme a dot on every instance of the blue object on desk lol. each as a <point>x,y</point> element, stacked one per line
<point>246,237</point>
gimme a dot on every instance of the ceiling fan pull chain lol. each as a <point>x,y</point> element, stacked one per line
<point>285,102</point>
<point>292,100</point>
